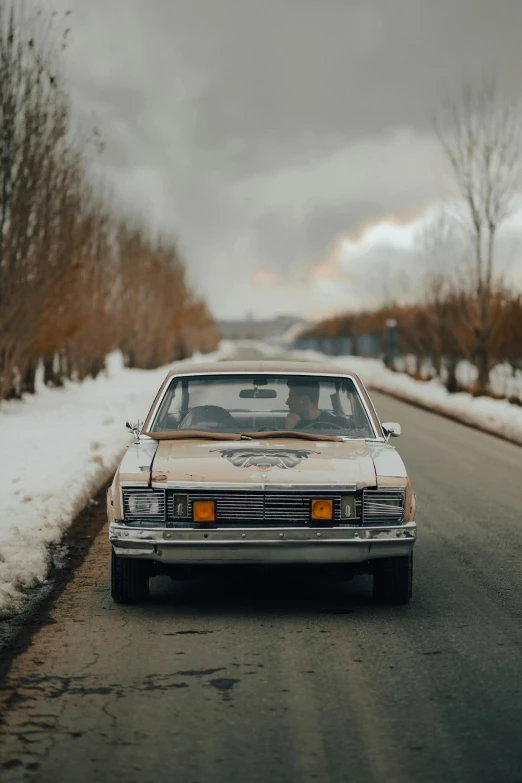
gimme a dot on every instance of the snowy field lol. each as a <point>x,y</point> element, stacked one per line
<point>503,381</point>
<point>60,445</point>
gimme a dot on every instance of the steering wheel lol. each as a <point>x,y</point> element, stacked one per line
<point>322,424</point>
<point>210,418</point>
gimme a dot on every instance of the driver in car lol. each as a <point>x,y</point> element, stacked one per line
<point>302,402</point>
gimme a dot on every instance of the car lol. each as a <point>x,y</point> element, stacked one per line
<point>262,462</point>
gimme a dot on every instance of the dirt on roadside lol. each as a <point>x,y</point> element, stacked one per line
<point>17,632</point>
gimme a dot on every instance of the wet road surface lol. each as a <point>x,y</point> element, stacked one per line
<point>278,676</point>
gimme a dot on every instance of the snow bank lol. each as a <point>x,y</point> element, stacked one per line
<point>58,447</point>
<point>496,416</point>
<point>504,382</point>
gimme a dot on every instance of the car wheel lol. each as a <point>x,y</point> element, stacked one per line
<point>393,580</point>
<point>129,580</point>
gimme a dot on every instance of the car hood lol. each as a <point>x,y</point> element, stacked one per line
<point>277,461</point>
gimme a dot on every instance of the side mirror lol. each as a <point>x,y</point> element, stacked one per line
<point>391,429</point>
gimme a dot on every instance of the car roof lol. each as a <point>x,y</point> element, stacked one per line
<point>261,366</point>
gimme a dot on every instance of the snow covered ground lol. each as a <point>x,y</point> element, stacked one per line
<point>58,447</point>
<point>503,381</point>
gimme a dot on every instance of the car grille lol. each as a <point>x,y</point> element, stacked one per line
<point>384,506</point>
<point>272,509</point>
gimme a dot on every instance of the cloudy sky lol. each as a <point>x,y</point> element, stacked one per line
<point>288,144</point>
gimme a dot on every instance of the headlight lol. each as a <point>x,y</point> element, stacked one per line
<point>384,505</point>
<point>144,504</point>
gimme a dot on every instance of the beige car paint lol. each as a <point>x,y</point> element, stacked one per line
<point>161,462</point>
<point>347,462</point>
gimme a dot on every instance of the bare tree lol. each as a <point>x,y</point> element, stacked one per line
<point>76,279</point>
<point>481,136</point>
<point>448,301</point>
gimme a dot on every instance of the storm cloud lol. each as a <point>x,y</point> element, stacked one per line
<point>259,132</point>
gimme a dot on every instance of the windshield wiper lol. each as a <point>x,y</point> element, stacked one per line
<point>290,434</point>
<point>193,434</point>
<point>202,435</point>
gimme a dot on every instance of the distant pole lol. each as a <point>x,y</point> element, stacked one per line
<point>391,341</point>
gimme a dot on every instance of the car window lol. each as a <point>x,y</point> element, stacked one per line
<point>247,403</point>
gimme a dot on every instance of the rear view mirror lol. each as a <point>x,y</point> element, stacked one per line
<point>257,394</point>
<point>391,428</point>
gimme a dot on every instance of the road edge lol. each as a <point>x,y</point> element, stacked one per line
<point>19,630</point>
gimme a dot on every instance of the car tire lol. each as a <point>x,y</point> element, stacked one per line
<point>129,580</point>
<point>393,580</point>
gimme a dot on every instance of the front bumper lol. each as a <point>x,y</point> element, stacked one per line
<point>262,545</point>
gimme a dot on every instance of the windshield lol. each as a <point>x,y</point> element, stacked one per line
<point>263,403</point>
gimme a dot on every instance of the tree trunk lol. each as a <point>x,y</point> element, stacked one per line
<point>28,381</point>
<point>49,374</point>
<point>482,357</point>
<point>97,365</point>
<point>7,374</point>
<point>14,394</point>
<point>482,362</point>
<point>63,365</point>
<point>452,385</point>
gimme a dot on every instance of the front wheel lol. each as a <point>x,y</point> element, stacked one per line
<point>129,580</point>
<point>393,580</point>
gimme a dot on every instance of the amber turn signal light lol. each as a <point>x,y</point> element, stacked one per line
<point>204,511</point>
<point>322,509</point>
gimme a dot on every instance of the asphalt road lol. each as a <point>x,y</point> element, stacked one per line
<point>282,679</point>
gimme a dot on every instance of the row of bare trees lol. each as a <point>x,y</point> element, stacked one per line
<point>441,329</point>
<point>467,309</point>
<point>76,280</point>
